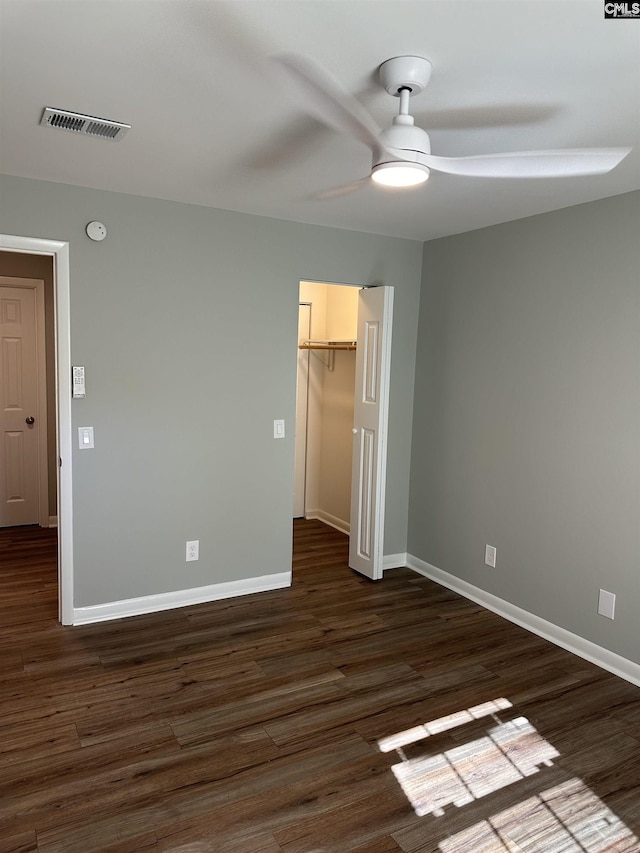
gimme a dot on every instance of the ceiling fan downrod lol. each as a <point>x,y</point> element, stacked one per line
<point>405,98</point>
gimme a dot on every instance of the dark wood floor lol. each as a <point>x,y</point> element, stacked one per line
<point>336,716</point>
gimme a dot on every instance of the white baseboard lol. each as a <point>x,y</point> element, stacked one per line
<point>331,520</point>
<point>394,561</point>
<point>598,655</point>
<point>179,598</point>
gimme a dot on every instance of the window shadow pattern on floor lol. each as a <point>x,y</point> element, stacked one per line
<point>489,747</point>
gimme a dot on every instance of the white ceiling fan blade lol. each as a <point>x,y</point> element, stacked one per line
<point>506,114</point>
<point>344,189</point>
<point>531,164</point>
<point>325,99</point>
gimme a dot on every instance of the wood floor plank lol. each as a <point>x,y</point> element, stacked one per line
<point>22,842</point>
<point>28,741</point>
<point>336,716</point>
<point>183,842</point>
<point>47,775</point>
<point>380,845</point>
<point>287,794</point>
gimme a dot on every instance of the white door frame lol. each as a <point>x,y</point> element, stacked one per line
<point>59,251</point>
<point>377,564</point>
<point>300,442</point>
<point>37,285</point>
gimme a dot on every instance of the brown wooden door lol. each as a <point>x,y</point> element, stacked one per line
<point>19,493</point>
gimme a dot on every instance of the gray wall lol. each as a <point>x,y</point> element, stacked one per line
<point>527,415</point>
<point>186,321</point>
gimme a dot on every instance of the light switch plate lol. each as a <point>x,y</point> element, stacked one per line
<point>85,438</point>
<point>278,429</point>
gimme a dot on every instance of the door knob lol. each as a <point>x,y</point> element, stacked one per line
<point>30,420</point>
<point>354,431</point>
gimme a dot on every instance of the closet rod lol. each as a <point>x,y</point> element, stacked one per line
<point>311,345</point>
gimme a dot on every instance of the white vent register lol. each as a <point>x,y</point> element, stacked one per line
<point>103,128</point>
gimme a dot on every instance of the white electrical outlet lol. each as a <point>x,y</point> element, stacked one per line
<point>607,604</point>
<point>490,556</point>
<point>193,550</point>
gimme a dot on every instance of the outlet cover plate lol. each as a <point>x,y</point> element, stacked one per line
<point>490,556</point>
<point>607,604</point>
<point>193,550</point>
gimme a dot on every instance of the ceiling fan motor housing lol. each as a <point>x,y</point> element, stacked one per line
<point>402,142</point>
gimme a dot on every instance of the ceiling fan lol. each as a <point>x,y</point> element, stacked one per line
<point>402,153</point>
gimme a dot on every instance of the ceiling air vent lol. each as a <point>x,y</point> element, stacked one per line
<point>103,128</point>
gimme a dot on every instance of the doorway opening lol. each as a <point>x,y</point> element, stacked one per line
<point>327,333</point>
<point>27,385</point>
<point>47,261</point>
<point>358,430</point>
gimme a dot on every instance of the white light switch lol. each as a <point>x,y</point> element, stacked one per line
<point>85,438</point>
<point>278,429</point>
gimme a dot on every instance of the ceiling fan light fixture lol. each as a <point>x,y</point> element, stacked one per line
<point>399,174</point>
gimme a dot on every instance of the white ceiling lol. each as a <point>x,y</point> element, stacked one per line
<point>213,126</point>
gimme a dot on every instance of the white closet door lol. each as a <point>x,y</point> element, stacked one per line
<point>371,415</point>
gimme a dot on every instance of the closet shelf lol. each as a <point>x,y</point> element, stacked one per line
<point>331,345</point>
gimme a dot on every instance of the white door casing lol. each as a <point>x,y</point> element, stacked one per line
<point>59,251</point>
<point>371,415</point>
<point>302,394</point>
<point>23,403</point>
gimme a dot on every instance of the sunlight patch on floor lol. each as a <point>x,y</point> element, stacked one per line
<point>568,818</point>
<point>443,724</point>
<point>509,752</point>
<point>564,818</point>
